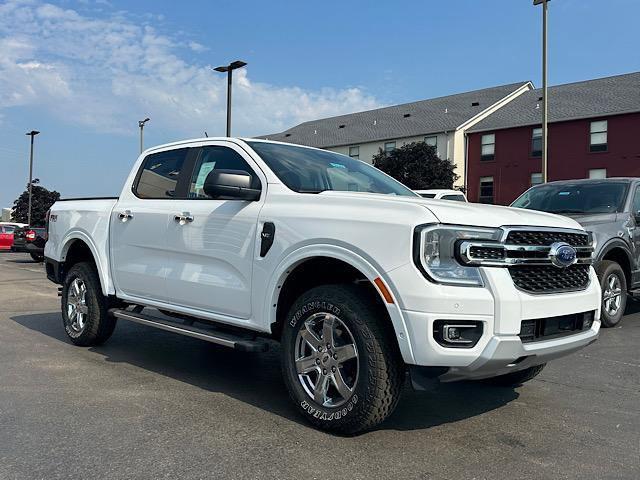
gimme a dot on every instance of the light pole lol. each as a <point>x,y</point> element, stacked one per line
<point>544,88</point>
<point>141,125</point>
<point>32,134</point>
<point>229,69</point>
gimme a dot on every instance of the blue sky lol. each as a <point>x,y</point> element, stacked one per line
<point>83,72</point>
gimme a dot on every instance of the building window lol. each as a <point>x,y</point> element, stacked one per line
<point>488,148</point>
<point>598,173</point>
<point>431,141</point>
<point>389,147</point>
<point>486,190</point>
<point>536,142</point>
<point>536,179</point>
<point>598,137</point>
<point>354,152</point>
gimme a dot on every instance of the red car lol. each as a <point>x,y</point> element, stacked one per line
<point>6,236</point>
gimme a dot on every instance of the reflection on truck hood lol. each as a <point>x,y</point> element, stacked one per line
<point>475,214</point>
<point>587,220</point>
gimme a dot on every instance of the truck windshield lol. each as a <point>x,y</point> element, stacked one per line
<point>307,170</point>
<point>576,198</point>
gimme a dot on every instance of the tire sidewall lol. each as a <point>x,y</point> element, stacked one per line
<point>92,301</point>
<point>315,302</point>
<point>612,269</point>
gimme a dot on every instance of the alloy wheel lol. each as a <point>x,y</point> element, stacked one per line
<point>326,359</point>
<point>77,309</point>
<point>612,295</point>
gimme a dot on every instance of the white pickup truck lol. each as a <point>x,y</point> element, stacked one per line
<point>240,242</point>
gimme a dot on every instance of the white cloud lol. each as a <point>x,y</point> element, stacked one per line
<point>106,72</point>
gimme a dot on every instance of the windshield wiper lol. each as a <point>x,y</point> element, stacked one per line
<point>567,211</point>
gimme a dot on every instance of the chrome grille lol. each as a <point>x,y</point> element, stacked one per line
<point>546,237</point>
<point>549,278</point>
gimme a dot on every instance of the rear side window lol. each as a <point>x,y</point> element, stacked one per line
<point>8,229</point>
<point>158,176</point>
<point>217,158</point>
<point>428,195</point>
<point>457,198</point>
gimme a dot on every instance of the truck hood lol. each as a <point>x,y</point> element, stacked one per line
<point>475,214</point>
<point>591,220</point>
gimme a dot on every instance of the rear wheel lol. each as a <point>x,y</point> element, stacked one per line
<point>85,313</point>
<point>614,292</point>
<point>515,378</point>
<point>340,364</point>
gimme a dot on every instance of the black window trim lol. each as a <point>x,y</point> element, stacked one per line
<point>181,185</point>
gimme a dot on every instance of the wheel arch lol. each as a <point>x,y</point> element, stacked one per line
<point>77,247</point>
<point>616,250</point>
<point>347,266</point>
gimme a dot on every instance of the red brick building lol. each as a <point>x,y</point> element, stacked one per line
<point>594,132</point>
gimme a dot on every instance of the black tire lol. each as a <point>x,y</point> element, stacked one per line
<point>37,257</point>
<point>98,324</point>
<point>515,378</point>
<point>605,270</point>
<point>380,370</point>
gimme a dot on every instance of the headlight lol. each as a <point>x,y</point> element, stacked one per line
<point>435,252</point>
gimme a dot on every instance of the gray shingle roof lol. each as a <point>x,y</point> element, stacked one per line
<point>424,117</point>
<point>592,98</point>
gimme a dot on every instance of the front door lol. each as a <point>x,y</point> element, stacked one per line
<point>212,242</point>
<point>139,222</point>
<point>635,237</point>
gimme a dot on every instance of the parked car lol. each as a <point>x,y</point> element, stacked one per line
<point>610,210</point>
<point>358,277</point>
<point>443,194</point>
<point>6,236</point>
<point>30,240</point>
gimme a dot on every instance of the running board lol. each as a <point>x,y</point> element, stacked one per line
<point>219,338</point>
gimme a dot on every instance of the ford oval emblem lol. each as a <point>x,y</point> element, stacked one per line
<point>562,254</point>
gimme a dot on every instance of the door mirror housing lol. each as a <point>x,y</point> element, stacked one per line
<point>231,185</point>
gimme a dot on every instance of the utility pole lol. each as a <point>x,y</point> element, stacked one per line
<point>545,102</point>
<point>141,125</point>
<point>32,134</point>
<point>229,70</point>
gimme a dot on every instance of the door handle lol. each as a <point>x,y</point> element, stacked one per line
<point>125,216</point>
<point>183,218</point>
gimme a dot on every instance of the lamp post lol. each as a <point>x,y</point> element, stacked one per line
<point>229,69</point>
<point>141,125</point>
<point>544,89</point>
<point>32,134</point>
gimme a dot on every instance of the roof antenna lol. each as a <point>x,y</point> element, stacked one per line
<point>375,122</point>
<point>206,134</point>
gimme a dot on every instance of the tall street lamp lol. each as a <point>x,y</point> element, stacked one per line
<point>229,69</point>
<point>544,88</point>
<point>141,125</point>
<point>32,134</point>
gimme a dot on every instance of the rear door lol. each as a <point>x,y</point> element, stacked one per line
<point>212,254</point>
<point>6,237</point>
<point>138,226</point>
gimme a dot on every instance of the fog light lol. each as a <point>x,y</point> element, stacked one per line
<point>457,333</point>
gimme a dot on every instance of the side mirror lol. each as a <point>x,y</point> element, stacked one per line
<point>230,184</point>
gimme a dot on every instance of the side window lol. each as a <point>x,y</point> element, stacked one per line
<point>636,202</point>
<point>158,177</point>
<point>456,198</point>
<point>217,158</point>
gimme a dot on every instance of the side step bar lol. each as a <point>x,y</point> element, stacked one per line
<point>225,339</point>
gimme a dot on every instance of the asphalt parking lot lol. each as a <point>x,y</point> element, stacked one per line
<point>150,404</point>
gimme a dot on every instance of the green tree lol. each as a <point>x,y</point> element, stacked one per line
<point>41,201</point>
<point>417,165</point>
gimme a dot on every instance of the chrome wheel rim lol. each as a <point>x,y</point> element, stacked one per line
<point>326,359</point>
<point>77,305</point>
<point>612,295</point>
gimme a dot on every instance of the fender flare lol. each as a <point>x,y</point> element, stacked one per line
<point>103,273</point>
<point>365,267</point>
<point>610,245</point>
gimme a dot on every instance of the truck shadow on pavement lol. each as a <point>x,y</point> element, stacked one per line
<point>256,379</point>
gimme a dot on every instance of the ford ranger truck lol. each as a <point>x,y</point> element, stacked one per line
<point>241,242</point>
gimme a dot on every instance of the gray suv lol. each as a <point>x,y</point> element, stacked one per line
<point>610,210</point>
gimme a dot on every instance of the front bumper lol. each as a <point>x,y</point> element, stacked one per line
<point>501,308</point>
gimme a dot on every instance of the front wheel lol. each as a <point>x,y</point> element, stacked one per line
<point>85,313</point>
<point>340,363</point>
<point>614,292</point>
